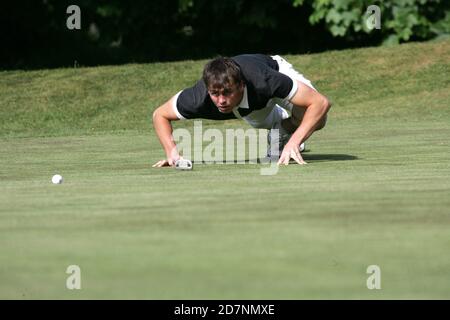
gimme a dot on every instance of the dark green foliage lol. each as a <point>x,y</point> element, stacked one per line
<point>401,20</point>
<point>34,33</point>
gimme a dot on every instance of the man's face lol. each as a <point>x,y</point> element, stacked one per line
<point>226,98</point>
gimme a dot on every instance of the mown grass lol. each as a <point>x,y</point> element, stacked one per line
<point>361,83</point>
<point>375,191</point>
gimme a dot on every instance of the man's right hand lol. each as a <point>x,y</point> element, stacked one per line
<point>170,162</point>
<point>161,163</point>
<point>162,118</point>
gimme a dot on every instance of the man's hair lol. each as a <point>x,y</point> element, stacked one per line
<point>221,72</point>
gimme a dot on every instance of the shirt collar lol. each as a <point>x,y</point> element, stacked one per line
<point>244,102</point>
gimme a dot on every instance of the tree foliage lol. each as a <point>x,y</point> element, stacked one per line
<point>34,32</point>
<point>401,20</point>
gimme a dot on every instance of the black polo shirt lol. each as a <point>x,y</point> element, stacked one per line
<point>262,80</point>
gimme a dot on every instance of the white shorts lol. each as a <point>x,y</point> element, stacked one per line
<point>276,109</point>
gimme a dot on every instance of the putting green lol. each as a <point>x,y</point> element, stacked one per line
<point>374,192</point>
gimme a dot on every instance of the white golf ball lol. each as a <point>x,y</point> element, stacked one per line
<point>302,147</point>
<point>57,179</point>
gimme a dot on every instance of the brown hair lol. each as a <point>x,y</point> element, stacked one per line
<point>221,72</point>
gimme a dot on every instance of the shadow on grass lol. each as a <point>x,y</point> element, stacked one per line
<point>306,156</point>
<point>328,157</point>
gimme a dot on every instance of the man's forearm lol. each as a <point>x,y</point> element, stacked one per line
<point>312,117</point>
<point>163,129</point>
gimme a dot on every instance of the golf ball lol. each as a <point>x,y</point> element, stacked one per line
<point>302,147</point>
<point>57,179</point>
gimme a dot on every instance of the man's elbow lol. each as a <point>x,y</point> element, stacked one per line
<point>156,114</point>
<point>326,104</point>
<point>159,115</point>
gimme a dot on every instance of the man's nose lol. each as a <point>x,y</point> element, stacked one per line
<point>222,100</point>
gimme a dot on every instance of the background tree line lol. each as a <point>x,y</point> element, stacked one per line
<point>34,32</point>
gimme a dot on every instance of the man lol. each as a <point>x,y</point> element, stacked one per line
<point>264,91</point>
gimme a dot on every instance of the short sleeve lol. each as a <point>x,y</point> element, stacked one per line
<point>281,85</point>
<point>190,101</point>
<point>175,108</point>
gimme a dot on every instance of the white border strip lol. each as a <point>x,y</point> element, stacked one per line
<point>293,90</point>
<point>174,106</point>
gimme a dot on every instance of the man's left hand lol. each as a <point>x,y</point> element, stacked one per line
<point>291,150</point>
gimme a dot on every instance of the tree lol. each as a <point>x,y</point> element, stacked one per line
<point>401,20</point>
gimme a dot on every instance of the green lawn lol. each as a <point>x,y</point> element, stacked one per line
<point>376,190</point>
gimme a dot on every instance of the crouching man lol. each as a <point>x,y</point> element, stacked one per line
<point>265,91</point>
